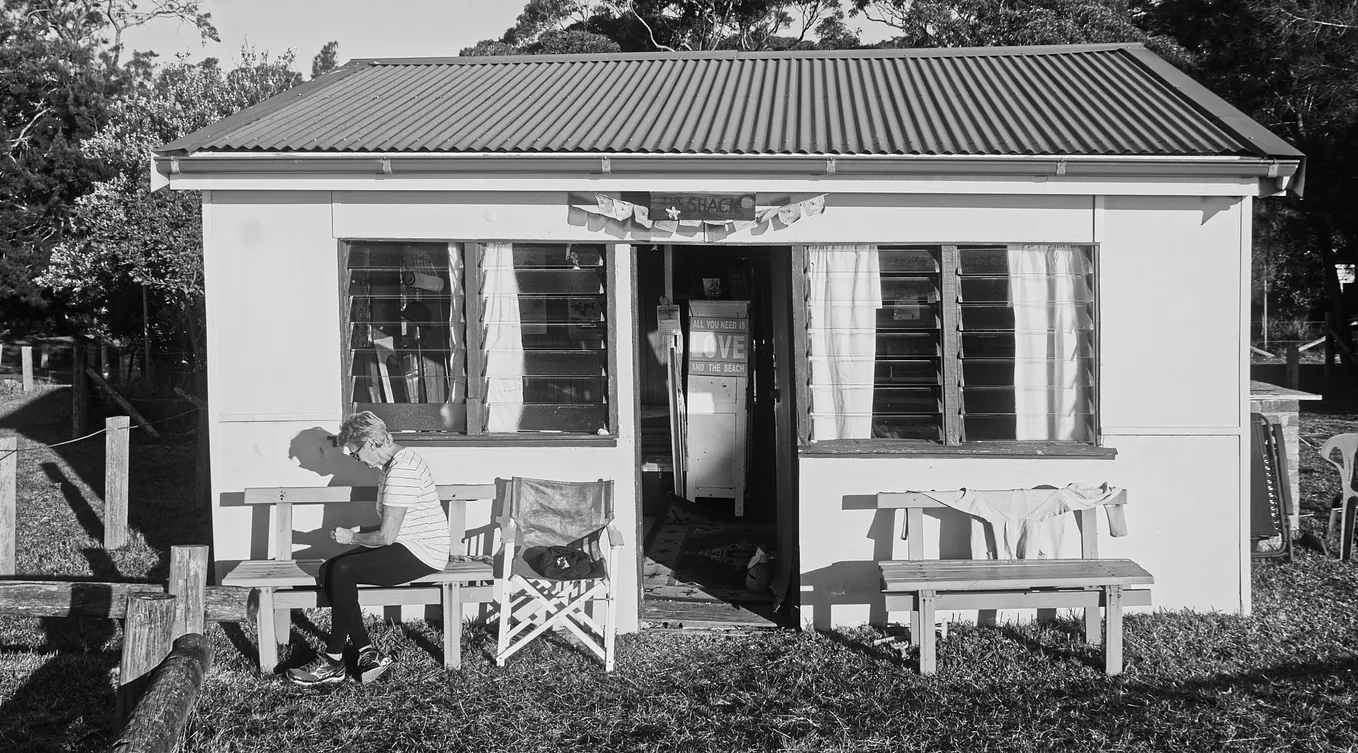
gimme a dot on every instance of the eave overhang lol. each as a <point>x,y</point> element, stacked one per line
<point>350,171</point>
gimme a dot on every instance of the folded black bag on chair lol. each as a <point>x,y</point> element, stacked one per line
<point>560,562</point>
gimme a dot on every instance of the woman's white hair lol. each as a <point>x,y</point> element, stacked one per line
<point>361,427</point>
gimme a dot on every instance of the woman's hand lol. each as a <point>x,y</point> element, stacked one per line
<point>344,535</point>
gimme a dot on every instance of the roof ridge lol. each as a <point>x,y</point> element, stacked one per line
<point>867,52</point>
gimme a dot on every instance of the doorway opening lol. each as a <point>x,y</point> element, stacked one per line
<point>715,481</point>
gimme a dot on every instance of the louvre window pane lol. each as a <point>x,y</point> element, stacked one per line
<point>546,337</point>
<point>1026,352</point>
<point>404,323</point>
<point>875,342</point>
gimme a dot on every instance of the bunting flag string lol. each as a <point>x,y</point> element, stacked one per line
<point>625,211</point>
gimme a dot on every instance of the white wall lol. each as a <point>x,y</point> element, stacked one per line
<point>1173,388</point>
<point>1173,275</point>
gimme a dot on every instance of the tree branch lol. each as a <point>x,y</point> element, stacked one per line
<point>1316,22</point>
<point>631,8</point>
<point>23,134</point>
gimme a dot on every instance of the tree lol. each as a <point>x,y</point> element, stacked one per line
<point>125,239</point>
<point>1292,66</point>
<point>59,74</point>
<point>647,25</point>
<point>572,42</point>
<point>488,48</point>
<point>994,23</point>
<point>325,60</point>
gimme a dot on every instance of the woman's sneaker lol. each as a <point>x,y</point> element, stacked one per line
<point>371,664</point>
<point>320,671</point>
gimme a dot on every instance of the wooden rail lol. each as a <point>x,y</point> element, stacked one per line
<point>52,598</point>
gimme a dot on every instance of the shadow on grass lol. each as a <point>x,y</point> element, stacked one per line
<point>66,704</point>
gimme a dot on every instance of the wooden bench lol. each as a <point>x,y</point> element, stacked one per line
<point>285,584</point>
<point>922,586</point>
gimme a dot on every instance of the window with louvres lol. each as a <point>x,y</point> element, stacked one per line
<point>477,338</point>
<point>972,343</point>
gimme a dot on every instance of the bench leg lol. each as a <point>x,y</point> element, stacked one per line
<point>1112,649</point>
<point>268,642</point>
<point>915,625</point>
<point>927,640</point>
<point>1093,626</point>
<point>282,625</point>
<point>452,626</point>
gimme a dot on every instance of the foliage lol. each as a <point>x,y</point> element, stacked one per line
<point>572,41</point>
<point>488,48</point>
<point>995,23</point>
<point>126,239</point>
<point>573,26</point>
<point>325,60</point>
<point>59,74</point>
<point>1293,66</point>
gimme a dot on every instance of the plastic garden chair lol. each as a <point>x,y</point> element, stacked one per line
<point>1343,511</point>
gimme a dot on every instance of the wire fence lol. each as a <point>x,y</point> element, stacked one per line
<point>156,387</point>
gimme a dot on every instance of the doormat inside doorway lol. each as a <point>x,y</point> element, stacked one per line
<point>715,557</point>
<point>699,559</point>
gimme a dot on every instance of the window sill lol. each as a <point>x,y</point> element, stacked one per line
<point>545,439</point>
<point>905,448</point>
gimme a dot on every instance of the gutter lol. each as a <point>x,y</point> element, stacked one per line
<point>164,167</point>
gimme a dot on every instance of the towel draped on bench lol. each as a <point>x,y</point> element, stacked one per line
<point>1029,523</point>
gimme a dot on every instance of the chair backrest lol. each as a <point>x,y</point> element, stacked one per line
<point>1347,444</point>
<point>555,513</point>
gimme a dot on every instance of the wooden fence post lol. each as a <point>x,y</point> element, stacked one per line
<point>26,357</point>
<point>79,396</point>
<point>43,357</point>
<point>9,456</point>
<point>146,641</point>
<point>188,583</point>
<point>115,480</point>
<point>1293,368</point>
<point>164,710</point>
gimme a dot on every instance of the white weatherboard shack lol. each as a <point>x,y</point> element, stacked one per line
<point>981,268</point>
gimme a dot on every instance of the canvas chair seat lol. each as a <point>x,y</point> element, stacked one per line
<point>542,513</point>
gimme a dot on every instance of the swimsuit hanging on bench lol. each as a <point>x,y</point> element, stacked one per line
<point>1029,523</point>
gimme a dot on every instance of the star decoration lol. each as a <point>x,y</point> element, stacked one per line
<point>673,212</point>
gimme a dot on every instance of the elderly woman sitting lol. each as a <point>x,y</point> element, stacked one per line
<point>411,542</point>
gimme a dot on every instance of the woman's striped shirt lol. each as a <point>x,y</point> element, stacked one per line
<point>407,482</point>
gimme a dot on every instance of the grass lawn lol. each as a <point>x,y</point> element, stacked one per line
<point>1281,679</point>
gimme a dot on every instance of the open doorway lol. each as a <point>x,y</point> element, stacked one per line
<point>732,500</point>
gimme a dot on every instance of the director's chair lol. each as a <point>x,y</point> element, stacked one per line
<point>537,513</point>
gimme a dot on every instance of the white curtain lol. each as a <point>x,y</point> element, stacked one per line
<point>1048,391</point>
<point>844,296</point>
<point>503,344</point>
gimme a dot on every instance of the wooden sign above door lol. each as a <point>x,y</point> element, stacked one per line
<point>702,206</point>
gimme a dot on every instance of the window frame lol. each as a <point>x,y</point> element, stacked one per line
<point>949,313</point>
<point>473,308</point>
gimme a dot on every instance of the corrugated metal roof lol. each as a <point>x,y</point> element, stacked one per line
<point>1109,100</point>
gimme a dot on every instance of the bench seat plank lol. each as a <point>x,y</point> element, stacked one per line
<point>995,575</point>
<point>303,573</point>
<point>905,601</point>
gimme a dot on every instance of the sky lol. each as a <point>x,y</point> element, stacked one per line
<point>363,28</point>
